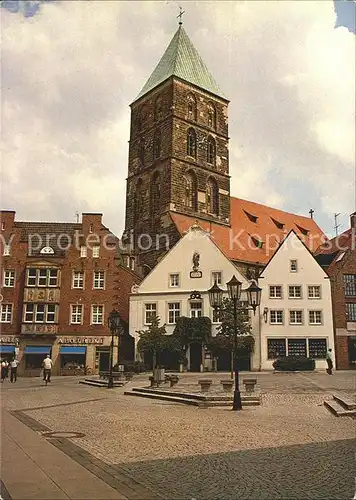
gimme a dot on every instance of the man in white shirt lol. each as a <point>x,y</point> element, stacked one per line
<point>13,370</point>
<point>47,368</point>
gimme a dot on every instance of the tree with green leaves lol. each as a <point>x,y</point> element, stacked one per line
<point>154,340</point>
<point>226,331</point>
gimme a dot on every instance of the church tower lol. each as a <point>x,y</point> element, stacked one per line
<point>178,150</point>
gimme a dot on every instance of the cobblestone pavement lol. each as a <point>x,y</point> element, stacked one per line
<point>290,447</point>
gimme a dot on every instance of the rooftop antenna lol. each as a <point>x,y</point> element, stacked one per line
<point>180,15</point>
<point>311,212</point>
<point>77,216</point>
<point>336,227</point>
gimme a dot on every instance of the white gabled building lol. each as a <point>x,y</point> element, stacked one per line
<point>296,307</point>
<point>169,292</point>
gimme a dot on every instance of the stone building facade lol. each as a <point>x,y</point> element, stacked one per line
<point>59,282</point>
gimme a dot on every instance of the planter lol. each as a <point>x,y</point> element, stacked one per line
<point>249,384</point>
<point>227,384</point>
<point>205,384</point>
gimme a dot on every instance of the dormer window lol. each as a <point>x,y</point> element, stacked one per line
<point>253,218</point>
<point>304,231</point>
<point>256,241</point>
<point>293,266</point>
<point>280,225</point>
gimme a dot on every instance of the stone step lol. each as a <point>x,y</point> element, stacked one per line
<point>345,401</point>
<point>338,410</point>
<point>200,397</point>
<point>190,401</point>
<point>101,383</point>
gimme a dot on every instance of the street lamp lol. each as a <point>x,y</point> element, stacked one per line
<point>114,321</point>
<point>254,300</point>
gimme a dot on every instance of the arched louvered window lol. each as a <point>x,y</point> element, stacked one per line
<point>139,199</point>
<point>157,140</point>
<point>190,190</point>
<point>142,151</point>
<point>158,108</point>
<point>212,197</point>
<point>192,107</point>
<point>211,116</point>
<point>155,193</point>
<point>192,143</point>
<point>211,151</point>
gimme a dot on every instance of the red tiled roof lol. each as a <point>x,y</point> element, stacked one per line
<point>254,225</point>
<point>344,241</point>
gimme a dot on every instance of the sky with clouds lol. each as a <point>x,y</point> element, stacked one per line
<point>70,71</point>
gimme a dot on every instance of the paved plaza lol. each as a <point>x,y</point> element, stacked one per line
<point>74,441</point>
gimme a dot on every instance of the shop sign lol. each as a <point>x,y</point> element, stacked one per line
<point>10,339</point>
<point>80,340</point>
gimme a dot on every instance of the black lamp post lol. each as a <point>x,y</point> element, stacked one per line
<point>254,300</point>
<point>114,321</point>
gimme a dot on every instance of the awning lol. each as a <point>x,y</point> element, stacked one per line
<point>7,348</point>
<point>72,349</point>
<point>38,349</point>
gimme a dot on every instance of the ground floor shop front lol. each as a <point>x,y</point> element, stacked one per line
<point>71,355</point>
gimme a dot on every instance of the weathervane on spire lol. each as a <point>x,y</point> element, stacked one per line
<point>180,15</point>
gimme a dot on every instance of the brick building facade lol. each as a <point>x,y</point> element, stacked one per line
<point>59,283</point>
<point>339,260</point>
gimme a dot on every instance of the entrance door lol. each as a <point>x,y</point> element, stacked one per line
<point>195,357</point>
<point>352,351</point>
<point>244,360</point>
<point>104,360</point>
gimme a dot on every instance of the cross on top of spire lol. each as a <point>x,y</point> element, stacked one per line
<point>180,15</point>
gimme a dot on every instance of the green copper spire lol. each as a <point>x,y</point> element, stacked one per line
<point>181,59</point>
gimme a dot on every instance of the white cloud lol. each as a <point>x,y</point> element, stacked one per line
<point>70,72</point>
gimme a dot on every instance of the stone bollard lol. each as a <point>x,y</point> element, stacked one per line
<point>174,379</point>
<point>227,384</point>
<point>205,384</point>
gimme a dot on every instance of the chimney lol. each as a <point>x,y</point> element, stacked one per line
<point>353,221</point>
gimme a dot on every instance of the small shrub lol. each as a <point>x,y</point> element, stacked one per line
<point>294,363</point>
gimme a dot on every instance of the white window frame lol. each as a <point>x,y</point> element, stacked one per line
<point>293,263</point>
<point>50,312</point>
<point>274,287</point>
<point>276,311</point>
<point>6,313</point>
<point>170,282</point>
<point>49,278</point>
<point>96,252</point>
<point>76,314</point>
<point>33,277</point>
<point>313,323</point>
<point>218,281</point>
<point>294,288</point>
<point>40,313</point>
<point>83,251</point>
<point>6,250</point>
<point>152,308</point>
<point>9,278</point>
<point>99,280</point>
<point>215,316</point>
<point>26,312</point>
<point>175,312</point>
<point>196,309</point>
<point>293,312</point>
<point>77,278</point>
<point>97,314</point>
<point>313,296</point>
<point>41,276</point>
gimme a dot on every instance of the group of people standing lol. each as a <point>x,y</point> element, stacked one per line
<point>7,367</point>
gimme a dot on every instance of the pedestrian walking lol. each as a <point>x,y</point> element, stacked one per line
<point>47,368</point>
<point>6,368</point>
<point>3,370</point>
<point>13,370</point>
<point>329,361</point>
